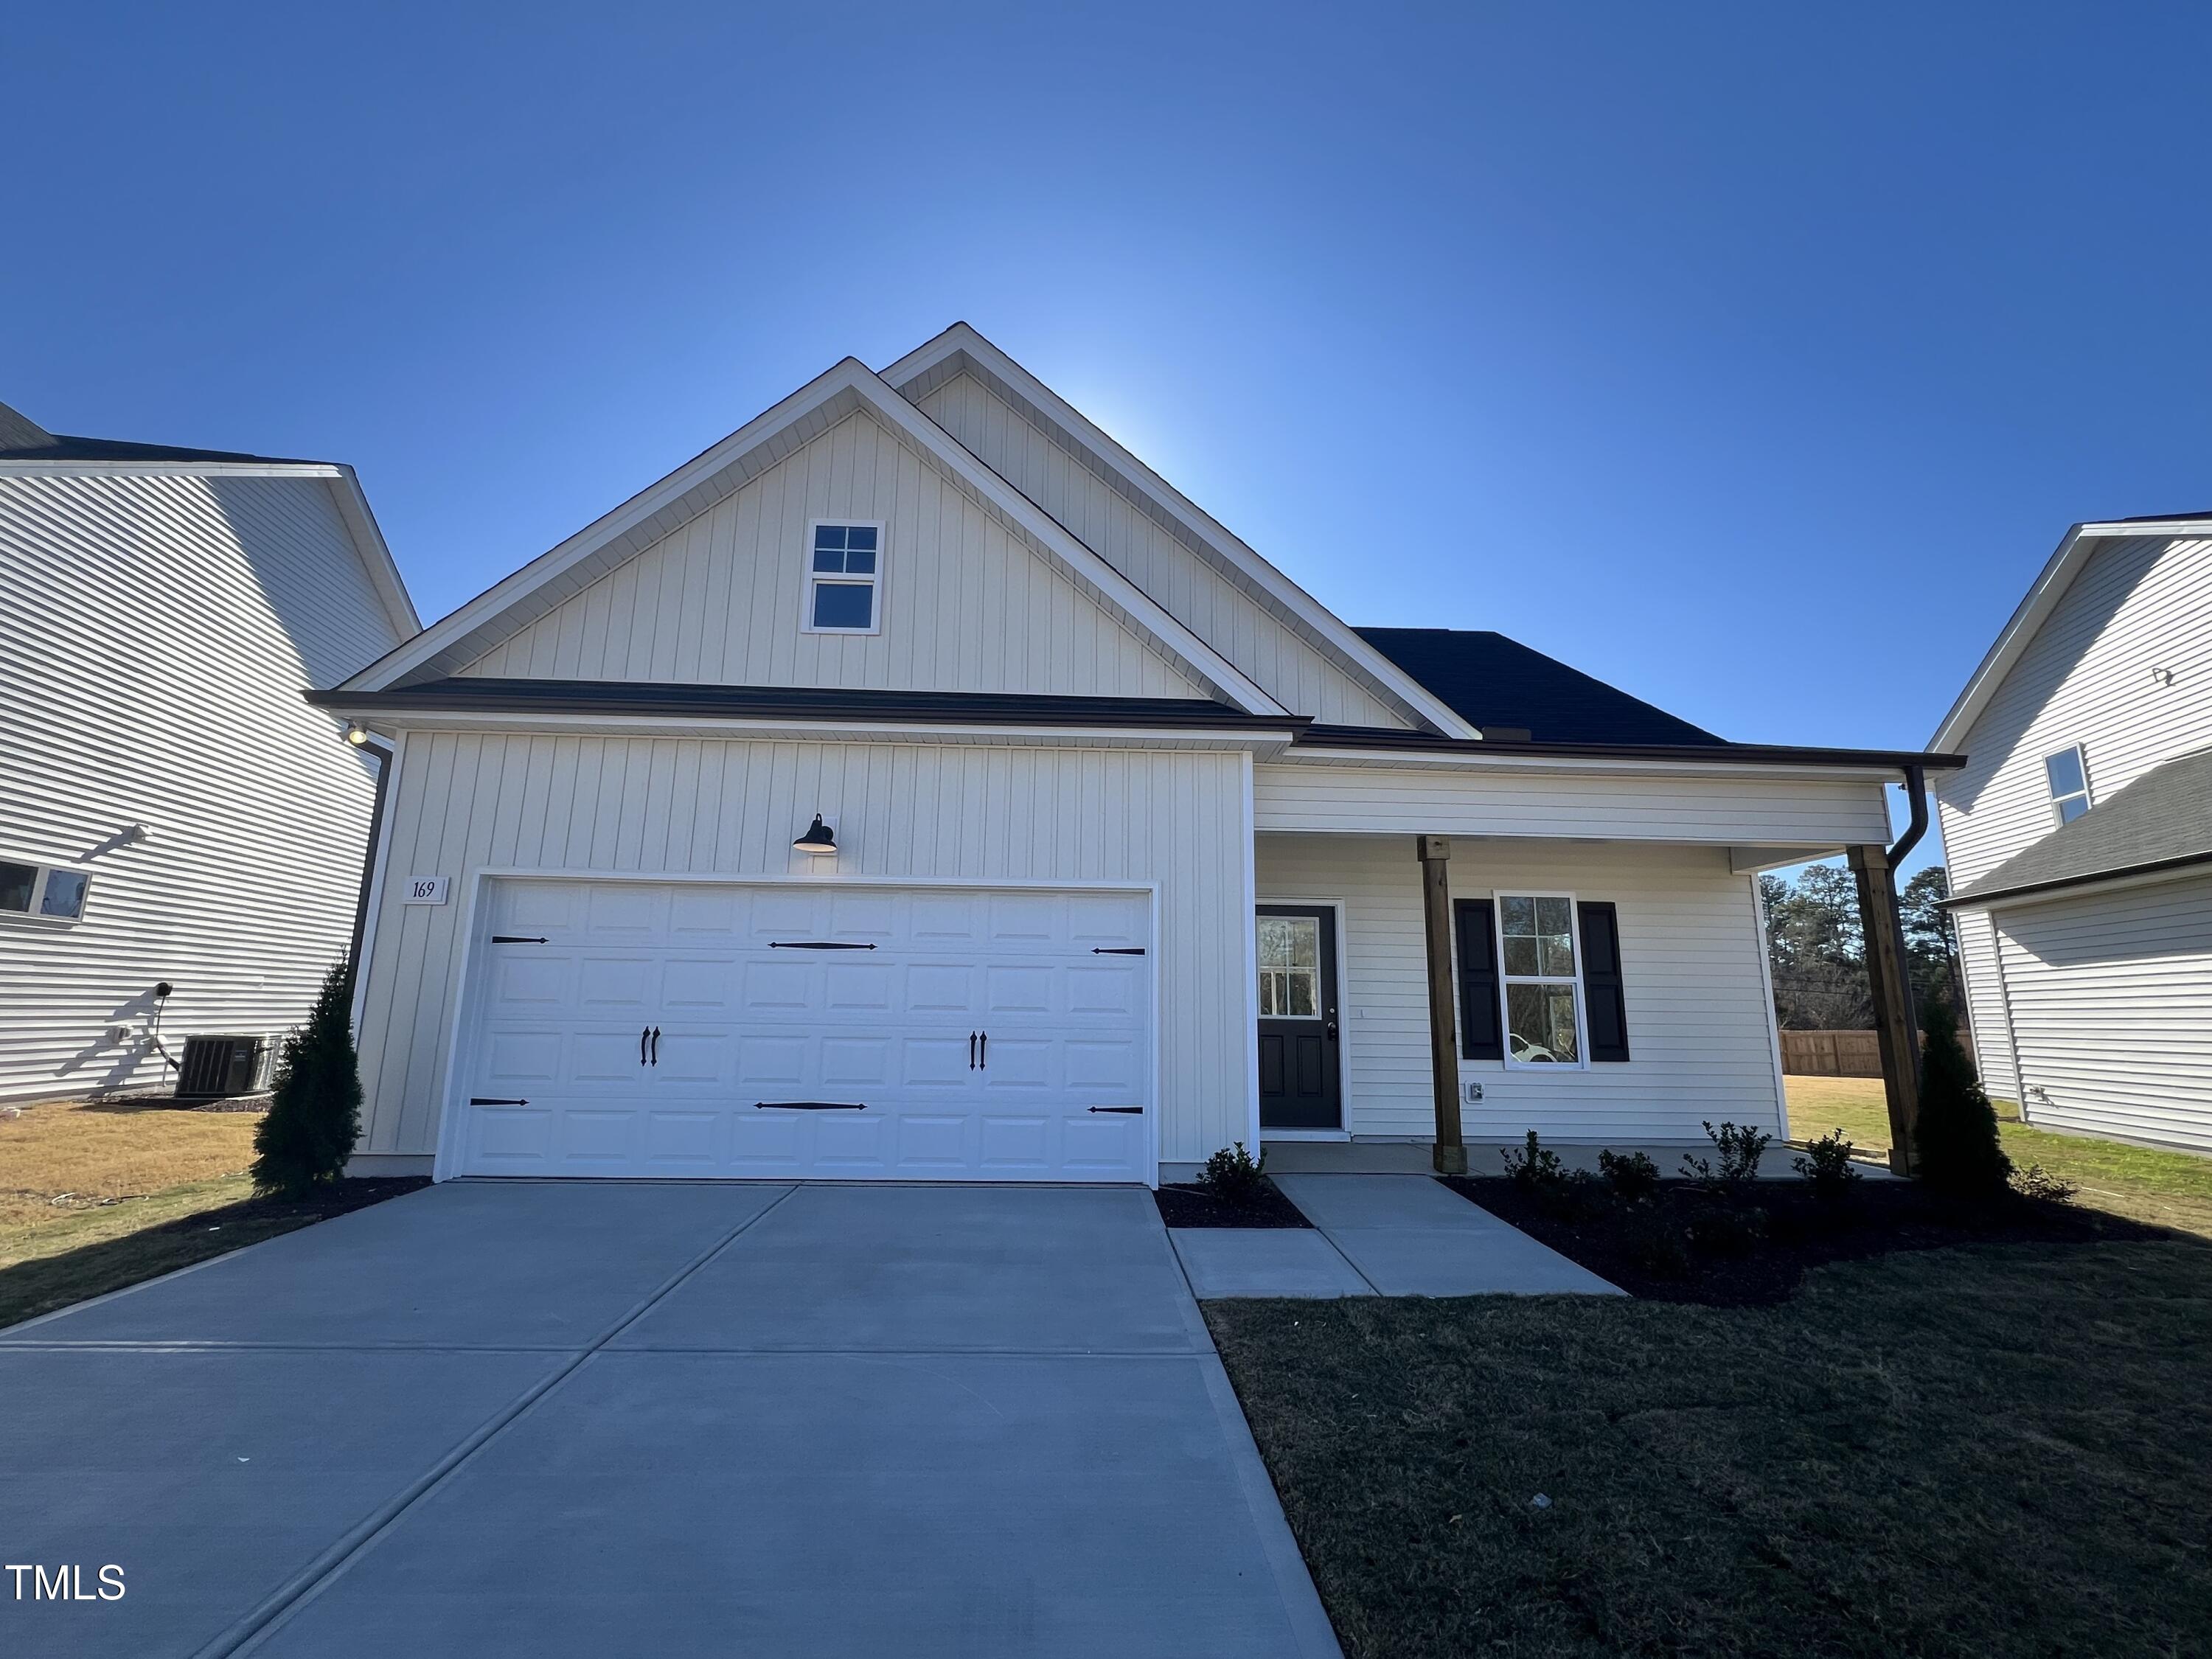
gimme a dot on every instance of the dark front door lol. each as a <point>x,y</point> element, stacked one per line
<point>1299,1086</point>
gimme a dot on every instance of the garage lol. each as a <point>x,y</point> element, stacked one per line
<point>707,1029</point>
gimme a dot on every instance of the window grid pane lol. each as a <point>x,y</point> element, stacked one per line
<point>64,894</point>
<point>844,605</point>
<point>16,881</point>
<point>2064,771</point>
<point>1537,937</point>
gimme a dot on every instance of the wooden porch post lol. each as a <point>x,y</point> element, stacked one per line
<point>1897,1024</point>
<point>1444,1037</point>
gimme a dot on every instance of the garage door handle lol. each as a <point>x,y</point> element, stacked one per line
<point>486,1100</point>
<point>1118,949</point>
<point>644,1034</point>
<point>656,1045</point>
<point>1133,1110</point>
<point>983,1053</point>
<point>814,944</point>
<point>809,1106</point>
<point>971,1051</point>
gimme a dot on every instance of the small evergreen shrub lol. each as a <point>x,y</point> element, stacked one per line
<point>1960,1152</point>
<point>1234,1176</point>
<point>1633,1176</point>
<point>1740,1150</point>
<point>2036,1181</point>
<point>315,1113</point>
<point>1826,1163</point>
<point>1658,1246</point>
<point>1729,1229</point>
<point>1535,1168</point>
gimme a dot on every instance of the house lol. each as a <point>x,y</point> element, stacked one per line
<point>916,784</point>
<point>2079,835</point>
<point>181,838</point>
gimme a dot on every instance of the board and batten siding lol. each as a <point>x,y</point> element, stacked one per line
<point>161,629</point>
<point>1362,799</point>
<point>965,606</point>
<point>1700,1017</point>
<point>1205,599</point>
<point>2111,997</point>
<point>469,801</point>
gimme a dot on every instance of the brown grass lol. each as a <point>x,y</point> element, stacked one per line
<point>74,1172</point>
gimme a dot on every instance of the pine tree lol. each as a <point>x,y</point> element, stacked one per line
<point>314,1117</point>
<point>1960,1152</point>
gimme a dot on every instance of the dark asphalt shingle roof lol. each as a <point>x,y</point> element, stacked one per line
<point>22,439</point>
<point>1496,684</point>
<point>2163,817</point>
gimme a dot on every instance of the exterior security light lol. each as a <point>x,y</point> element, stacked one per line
<point>357,735</point>
<point>819,838</point>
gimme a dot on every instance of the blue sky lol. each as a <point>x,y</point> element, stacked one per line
<point>1751,357</point>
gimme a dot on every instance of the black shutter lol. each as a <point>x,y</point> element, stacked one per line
<point>1608,1002</point>
<point>1480,1033</point>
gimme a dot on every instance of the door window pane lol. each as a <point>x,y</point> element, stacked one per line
<point>1290,967</point>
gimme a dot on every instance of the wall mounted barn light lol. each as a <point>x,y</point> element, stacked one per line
<point>818,838</point>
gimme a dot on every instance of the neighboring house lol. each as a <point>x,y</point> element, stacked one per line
<point>1117,839</point>
<point>2079,836</point>
<point>171,813</point>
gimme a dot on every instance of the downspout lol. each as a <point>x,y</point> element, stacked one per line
<point>1916,791</point>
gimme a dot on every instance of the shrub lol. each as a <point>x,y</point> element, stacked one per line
<point>1728,1229</point>
<point>1534,1169</point>
<point>1633,1176</point>
<point>1828,1163</point>
<point>1234,1176</point>
<point>2036,1181</point>
<point>1957,1135</point>
<point>1739,1151</point>
<point>1657,1245</point>
<point>314,1114</point>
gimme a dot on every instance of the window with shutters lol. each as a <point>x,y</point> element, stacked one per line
<point>1540,968</point>
<point>1540,980</point>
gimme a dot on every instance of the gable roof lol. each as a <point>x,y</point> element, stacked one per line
<point>719,472</point>
<point>961,350</point>
<point>26,448</point>
<point>1507,691</point>
<point>2161,821</point>
<point>2074,550</point>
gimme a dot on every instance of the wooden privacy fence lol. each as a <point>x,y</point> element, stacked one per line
<point>1839,1054</point>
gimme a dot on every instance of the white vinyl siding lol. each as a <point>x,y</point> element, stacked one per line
<point>2112,1005</point>
<point>1261,643</point>
<point>1368,800</point>
<point>964,604</point>
<point>469,802</point>
<point>1700,1025</point>
<point>2086,679</point>
<point>161,631</point>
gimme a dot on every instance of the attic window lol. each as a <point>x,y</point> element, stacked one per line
<point>2069,783</point>
<point>844,578</point>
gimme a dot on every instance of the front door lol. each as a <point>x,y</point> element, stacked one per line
<point>1299,1083</point>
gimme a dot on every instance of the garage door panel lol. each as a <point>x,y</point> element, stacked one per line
<point>742,1021</point>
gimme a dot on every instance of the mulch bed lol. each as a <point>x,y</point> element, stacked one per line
<point>1752,1250</point>
<point>1189,1206</point>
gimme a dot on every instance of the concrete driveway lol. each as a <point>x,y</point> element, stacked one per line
<point>558,1419</point>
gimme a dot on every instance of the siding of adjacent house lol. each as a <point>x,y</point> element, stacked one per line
<point>965,606</point>
<point>2111,998</point>
<point>161,629</point>
<point>1701,1033</point>
<point>467,802</point>
<point>2085,678</point>
<point>1259,641</point>
<point>1469,801</point>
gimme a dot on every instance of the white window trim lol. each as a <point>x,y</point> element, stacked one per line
<point>46,867</point>
<point>875,582</point>
<point>2087,795</point>
<point>1582,1060</point>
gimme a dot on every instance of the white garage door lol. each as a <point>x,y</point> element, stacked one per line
<point>626,1028</point>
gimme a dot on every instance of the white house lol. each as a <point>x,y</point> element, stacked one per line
<point>172,815</point>
<point>2080,838</point>
<point>1127,838</point>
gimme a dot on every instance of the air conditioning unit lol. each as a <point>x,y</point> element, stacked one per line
<point>215,1066</point>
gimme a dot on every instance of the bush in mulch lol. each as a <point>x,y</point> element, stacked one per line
<point>1196,1204</point>
<point>1693,1240</point>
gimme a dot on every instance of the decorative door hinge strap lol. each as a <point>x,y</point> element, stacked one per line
<point>488,1100</point>
<point>1134,1111</point>
<point>1118,949</point>
<point>518,938</point>
<point>809,1106</point>
<point>815,944</point>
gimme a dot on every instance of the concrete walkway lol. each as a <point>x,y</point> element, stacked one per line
<point>1379,1235</point>
<point>601,1417</point>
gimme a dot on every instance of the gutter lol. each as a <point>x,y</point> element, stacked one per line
<point>1908,761</point>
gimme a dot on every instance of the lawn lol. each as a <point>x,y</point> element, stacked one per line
<point>2170,1189</point>
<point>95,1196</point>
<point>1997,1449</point>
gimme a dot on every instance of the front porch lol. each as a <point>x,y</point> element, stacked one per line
<point>1618,992</point>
